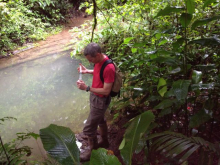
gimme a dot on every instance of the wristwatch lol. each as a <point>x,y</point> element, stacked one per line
<point>88,88</point>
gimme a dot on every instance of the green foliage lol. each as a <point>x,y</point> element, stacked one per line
<point>102,156</point>
<point>173,144</point>
<point>26,21</point>
<point>168,10</point>
<point>13,152</point>
<point>6,118</point>
<point>162,84</point>
<point>133,133</point>
<point>169,55</point>
<point>204,21</point>
<point>60,143</point>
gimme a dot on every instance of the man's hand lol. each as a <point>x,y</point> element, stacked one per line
<point>83,69</point>
<point>81,85</point>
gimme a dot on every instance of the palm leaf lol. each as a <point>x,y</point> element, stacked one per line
<point>172,144</point>
<point>60,143</point>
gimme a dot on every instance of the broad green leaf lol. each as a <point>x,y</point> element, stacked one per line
<point>158,35</point>
<point>164,104</point>
<point>133,133</point>
<point>190,6</point>
<point>185,19</point>
<point>162,42</point>
<point>140,146</point>
<point>141,44</point>
<point>208,2</point>
<point>204,21</point>
<point>127,40</point>
<point>133,50</point>
<point>169,93</point>
<point>165,111</point>
<point>48,2</point>
<point>180,89</point>
<point>60,143</point>
<point>176,45</point>
<point>199,118</point>
<point>168,10</point>
<point>162,83</point>
<point>206,41</point>
<point>196,77</point>
<point>103,157</point>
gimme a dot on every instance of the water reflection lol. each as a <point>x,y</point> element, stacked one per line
<point>41,92</point>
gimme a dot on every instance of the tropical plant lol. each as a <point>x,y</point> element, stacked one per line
<point>168,52</point>
<point>13,152</point>
<point>60,143</point>
<point>24,21</point>
<point>180,148</point>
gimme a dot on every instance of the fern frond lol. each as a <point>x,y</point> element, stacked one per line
<point>172,144</point>
<point>10,155</point>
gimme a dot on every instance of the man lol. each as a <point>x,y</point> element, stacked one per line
<point>99,97</point>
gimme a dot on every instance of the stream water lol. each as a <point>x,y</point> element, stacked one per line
<point>40,92</point>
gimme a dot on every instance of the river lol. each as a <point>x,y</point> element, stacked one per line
<point>38,88</point>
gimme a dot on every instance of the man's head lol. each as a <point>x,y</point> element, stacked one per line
<point>93,53</point>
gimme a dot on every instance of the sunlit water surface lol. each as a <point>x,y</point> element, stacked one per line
<point>39,93</point>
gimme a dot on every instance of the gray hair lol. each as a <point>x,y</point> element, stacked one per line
<point>92,49</point>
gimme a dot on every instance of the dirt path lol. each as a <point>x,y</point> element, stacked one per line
<point>54,44</point>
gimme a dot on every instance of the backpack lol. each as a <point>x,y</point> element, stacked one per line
<point>118,78</point>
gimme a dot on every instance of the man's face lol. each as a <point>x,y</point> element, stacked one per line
<point>93,60</point>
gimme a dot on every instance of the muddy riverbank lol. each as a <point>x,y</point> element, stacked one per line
<point>54,44</point>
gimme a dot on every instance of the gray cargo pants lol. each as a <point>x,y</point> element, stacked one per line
<point>98,106</point>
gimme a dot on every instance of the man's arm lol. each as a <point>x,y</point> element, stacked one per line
<point>84,70</point>
<point>103,91</point>
<point>89,71</point>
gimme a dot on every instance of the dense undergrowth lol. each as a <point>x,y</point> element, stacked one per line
<point>169,53</point>
<point>23,21</point>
